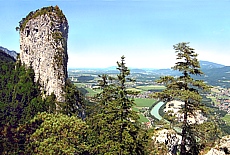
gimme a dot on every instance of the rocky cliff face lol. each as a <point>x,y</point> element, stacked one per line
<point>43,45</point>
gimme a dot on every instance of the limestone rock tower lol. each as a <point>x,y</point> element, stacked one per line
<point>43,46</point>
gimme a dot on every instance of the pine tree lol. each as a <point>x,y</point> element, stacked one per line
<point>74,104</point>
<point>188,90</point>
<point>21,101</point>
<point>114,126</point>
<point>57,134</point>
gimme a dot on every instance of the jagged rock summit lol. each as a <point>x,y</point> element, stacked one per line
<point>43,46</point>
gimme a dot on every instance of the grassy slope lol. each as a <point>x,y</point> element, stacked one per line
<point>144,102</point>
<point>151,87</point>
<point>226,118</point>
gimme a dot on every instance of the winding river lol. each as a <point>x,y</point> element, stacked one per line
<point>155,110</point>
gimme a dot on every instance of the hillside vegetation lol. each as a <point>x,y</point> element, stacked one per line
<point>110,113</point>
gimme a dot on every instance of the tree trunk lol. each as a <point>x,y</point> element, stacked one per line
<point>184,131</point>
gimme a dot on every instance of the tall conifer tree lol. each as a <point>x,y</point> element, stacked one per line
<point>74,104</point>
<point>186,89</point>
<point>114,126</point>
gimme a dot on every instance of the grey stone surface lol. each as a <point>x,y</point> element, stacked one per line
<point>43,45</point>
<point>222,148</point>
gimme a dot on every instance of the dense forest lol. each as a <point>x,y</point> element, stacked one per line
<point>32,123</point>
<point>21,100</point>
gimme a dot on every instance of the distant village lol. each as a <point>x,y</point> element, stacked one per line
<point>222,99</point>
<point>220,96</point>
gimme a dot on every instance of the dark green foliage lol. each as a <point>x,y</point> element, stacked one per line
<point>74,104</point>
<point>51,103</point>
<point>57,134</point>
<point>188,90</point>
<point>21,90</point>
<point>215,111</point>
<point>224,128</point>
<point>6,86</point>
<point>20,101</point>
<point>114,127</point>
<point>57,36</point>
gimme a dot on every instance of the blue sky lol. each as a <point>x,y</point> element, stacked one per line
<point>144,31</point>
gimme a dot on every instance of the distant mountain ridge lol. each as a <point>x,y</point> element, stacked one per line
<point>214,74</point>
<point>4,57</point>
<point>203,64</point>
<point>210,65</point>
<point>12,53</point>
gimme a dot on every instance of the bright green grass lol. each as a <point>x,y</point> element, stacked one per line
<point>144,102</point>
<point>213,99</point>
<point>226,118</point>
<point>135,109</point>
<point>92,92</point>
<point>151,87</point>
<point>143,118</point>
<point>134,89</point>
<point>79,85</point>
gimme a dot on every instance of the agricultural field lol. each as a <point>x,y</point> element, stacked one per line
<point>226,118</point>
<point>151,88</point>
<point>80,85</point>
<point>135,89</point>
<point>92,92</point>
<point>140,103</point>
<point>215,89</point>
<point>213,100</point>
<point>143,118</point>
<point>87,81</point>
<point>144,102</point>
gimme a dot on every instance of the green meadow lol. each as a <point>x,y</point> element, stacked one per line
<point>92,92</point>
<point>144,102</point>
<point>140,103</point>
<point>135,89</point>
<point>143,118</point>
<point>80,85</point>
<point>151,87</point>
<point>226,118</point>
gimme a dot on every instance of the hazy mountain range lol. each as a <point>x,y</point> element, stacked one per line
<point>214,74</point>
<point>204,64</point>
<point>12,53</point>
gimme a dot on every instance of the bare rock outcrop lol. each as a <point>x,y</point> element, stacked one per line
<point>43,46</point>
<point>222,148</point>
